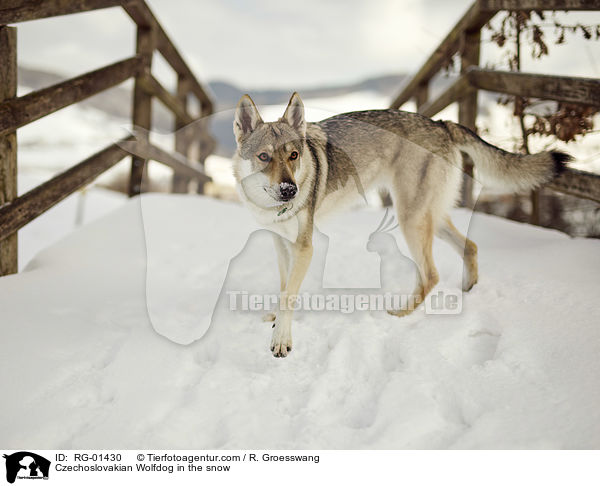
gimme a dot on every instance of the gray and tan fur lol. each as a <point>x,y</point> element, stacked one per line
<point>291,173</point>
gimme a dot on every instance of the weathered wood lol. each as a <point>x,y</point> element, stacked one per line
<point>169,52</point>
<point>8,145</point>
<point>143,16</point>
<point>495,5</point>
<point>559,88</point>
<point>13,11</point>
<point>180,183</point>
<point>17,112</point>
<point>22,210</point>
<point>467,108</point>
<point>535,198</point>
<point>175,161</point>
<point>206,142</point>
<point>422,95</point>
<point>153,87</point>
<point>15,212</point>
<point>472,21</point>
<point>578,183</point>
<point>455,92</point>
<point>142,103</point>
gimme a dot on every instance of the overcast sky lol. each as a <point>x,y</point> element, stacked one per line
<point>277,43</point>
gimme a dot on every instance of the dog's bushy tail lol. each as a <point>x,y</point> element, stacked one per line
<point>515,171</point>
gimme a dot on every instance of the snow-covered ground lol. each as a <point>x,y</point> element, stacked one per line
<point>90,329</point>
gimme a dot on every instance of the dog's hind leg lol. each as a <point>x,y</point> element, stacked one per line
<point>418,232</point>
<point>464,247</point>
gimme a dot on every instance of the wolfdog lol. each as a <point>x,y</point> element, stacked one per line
<point>290,173</point>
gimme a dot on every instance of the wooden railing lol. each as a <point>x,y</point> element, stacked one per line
<point>465,39</point>
<point>191,132</point>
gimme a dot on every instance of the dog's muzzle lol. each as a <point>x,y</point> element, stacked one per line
<point>287,190</point>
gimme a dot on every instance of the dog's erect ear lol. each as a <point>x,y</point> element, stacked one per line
<point>247,117</point>
<point>294,114</point>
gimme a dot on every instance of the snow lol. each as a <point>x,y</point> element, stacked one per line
<point>91,330</point>
<point>79,208</point>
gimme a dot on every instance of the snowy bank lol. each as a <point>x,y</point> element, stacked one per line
<point>90,359</point>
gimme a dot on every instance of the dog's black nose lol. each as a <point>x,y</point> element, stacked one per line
<point>287,190</point>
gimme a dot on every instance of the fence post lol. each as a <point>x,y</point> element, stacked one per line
<point>182,137</point>
<point>142,105</point>
<point>422,95</point>
<point>535,196</point>
<point>8,145</point>
<point>206,142</point>
<point>467,109</point>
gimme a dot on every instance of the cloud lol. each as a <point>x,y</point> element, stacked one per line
<point>269,43</point>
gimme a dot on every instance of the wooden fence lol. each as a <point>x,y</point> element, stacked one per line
<point>191,133</point>
<point>465,39</point>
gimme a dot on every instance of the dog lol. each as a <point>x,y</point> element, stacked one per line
<point>291,173</point>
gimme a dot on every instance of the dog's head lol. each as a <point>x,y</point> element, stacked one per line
<point>269,155</point>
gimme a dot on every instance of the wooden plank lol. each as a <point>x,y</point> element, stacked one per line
<point>472,21</point>
<point>143,16</point>
<point>206,142</point>
<point>559,88</point>
<point>467,109</point>
<point>454,93</point>
<point>142,104</point>
<point>180,183</point>
<point>175,161</point>
<point>535,198</point>
<point>578,183</point>
<point>22,210</point>
<point>9,262</point>
<point>467,113</point>
<point>17,112</point>
<point>152,86</point>
<point>495,5</point>
<point>422,95</point>
<point>12,11</point>
<point>170,53</point>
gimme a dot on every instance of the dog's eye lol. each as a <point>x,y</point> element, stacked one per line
<point>294,155</point>
<point>264,156</point>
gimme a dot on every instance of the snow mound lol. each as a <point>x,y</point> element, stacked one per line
<point>83,366</point>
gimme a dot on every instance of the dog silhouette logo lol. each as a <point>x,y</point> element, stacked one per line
<point>26,465</point>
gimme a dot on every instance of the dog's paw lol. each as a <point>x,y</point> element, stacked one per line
<point>468,282</point>
<point>281,343</point>
<point>399,313</point>
<point>270,317</point>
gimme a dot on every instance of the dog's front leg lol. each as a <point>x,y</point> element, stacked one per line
<point>283,250</point>
<point>281,343</point>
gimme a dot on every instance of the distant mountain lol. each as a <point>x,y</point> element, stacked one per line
<point>117,101</point>
<point>227,95</point>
